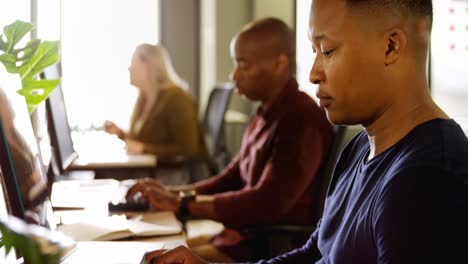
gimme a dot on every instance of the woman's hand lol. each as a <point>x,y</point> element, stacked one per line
<point>178,255</point>
<point>111,128</point>
<point>135,147</point>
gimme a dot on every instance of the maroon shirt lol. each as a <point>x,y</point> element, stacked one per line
<point>273,178</point>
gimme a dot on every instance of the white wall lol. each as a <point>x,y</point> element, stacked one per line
<point>283,9</point>
<point>179,33</point>
<point>208,49</point>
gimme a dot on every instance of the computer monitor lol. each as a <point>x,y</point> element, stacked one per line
<point>20,160</point>
<point>59,128</point>
<point>40,127</point>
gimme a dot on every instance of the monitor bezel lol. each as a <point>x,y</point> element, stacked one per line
<point>53,72</point>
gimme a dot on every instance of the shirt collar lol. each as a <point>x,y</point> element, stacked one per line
<point>277,107</point>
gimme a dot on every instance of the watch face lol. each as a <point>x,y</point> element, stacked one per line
<point>188,194</point>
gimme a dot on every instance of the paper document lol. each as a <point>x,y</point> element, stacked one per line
<point>118,227</point>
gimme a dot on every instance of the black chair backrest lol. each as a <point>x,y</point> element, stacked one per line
<point>273,240</point>
<point>213,120</point>
<point>341,136</point>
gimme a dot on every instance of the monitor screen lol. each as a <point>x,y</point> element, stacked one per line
<point>21,162</point>
<point>41,132</point>
<point>59,129</point>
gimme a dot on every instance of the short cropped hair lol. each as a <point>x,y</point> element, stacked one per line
<point>277,35</point>
<point>405,8</point>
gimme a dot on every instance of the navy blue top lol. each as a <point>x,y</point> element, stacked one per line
<point>406,205</point>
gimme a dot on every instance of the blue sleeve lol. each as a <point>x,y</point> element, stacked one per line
<point>308,253</point>
<point>418,218</point>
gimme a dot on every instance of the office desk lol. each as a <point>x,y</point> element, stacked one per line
<point>89,200</point>
<point>129,251</point>
<point>119,160</point>
<point>113,252</point>
<point>106,155</point>
<point>108,252</point>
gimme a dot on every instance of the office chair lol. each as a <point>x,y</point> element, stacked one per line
<point>213,126</point>
<point>273,240</point>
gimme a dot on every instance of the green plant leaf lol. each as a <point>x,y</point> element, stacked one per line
<point>10,62</point>
<point>36,244</point>
<point>14,33</point>
<point>25,53</point>
<point>46,55</point>
<point>36,91</point>
<point>28,61</point>
<point>3,44</point>
<point>7,238</point>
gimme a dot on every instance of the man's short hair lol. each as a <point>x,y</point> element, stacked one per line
<point>277,34</point>
<point>405,8</point>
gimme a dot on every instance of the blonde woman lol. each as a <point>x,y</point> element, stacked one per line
<point>164,121</point>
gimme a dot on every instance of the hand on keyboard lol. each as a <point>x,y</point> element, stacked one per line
<point>159,197</point>
<point>130,206</point>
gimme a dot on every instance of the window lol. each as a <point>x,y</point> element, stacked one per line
<point>11,10</point>
<point>449,57</point>
<point>449,54</point>
<point>304,54</point>
<point>98,39</point>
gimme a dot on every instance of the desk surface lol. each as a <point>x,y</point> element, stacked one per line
<point>115,252</point>
<point>97,150</point>
<point>91,219</point>
<point>130,251</point>
<point>121,160</point>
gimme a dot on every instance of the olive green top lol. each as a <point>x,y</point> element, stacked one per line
<point>171,128</point>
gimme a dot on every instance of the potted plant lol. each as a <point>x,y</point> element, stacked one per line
<point>20,72</point>
<point>36,244</point>
<point>28,61</point>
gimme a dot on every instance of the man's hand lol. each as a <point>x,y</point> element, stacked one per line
<point>178,255</point>
<point>146,182</point>
<point>157,195</point>
<point>134,146</point>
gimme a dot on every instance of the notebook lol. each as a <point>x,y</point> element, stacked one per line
<point>118,227</point>
<point>94,223</point>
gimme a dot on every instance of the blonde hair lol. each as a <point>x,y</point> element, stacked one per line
<point>163,70</point>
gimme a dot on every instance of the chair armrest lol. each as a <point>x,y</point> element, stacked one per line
<point>173,162</point>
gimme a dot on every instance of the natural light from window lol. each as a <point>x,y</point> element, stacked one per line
<point>304,54</point>
<point>449,60</point>
<point>449,56</point>
<point>10,11</point>
<point>98,39</point>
